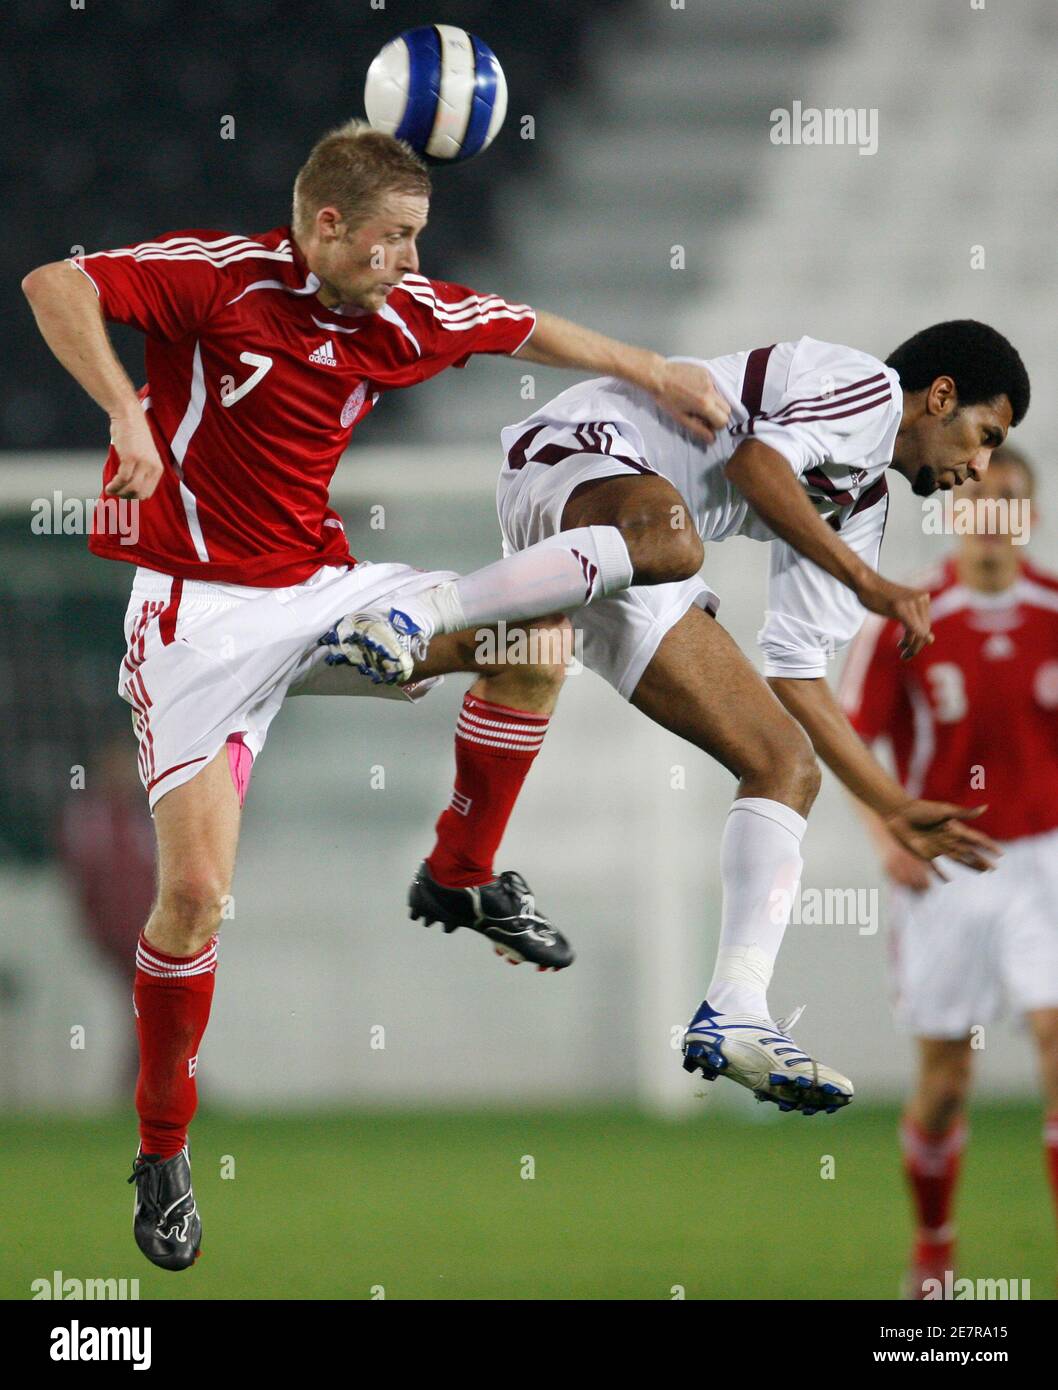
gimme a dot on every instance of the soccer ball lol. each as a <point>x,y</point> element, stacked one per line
<point>439,89</point>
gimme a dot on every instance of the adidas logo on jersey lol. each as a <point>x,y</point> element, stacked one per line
<point>324,355</point>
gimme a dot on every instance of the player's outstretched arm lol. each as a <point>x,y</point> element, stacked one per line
<point>71,322</point>
<point>766,481</point>
<point>925,828</point>
<point>684,389</point>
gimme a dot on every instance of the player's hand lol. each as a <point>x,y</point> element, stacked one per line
<point>931,828</point>
<point>139,467</point>
<point>905,868</point>
<point>689,394</point>
<point>907,606</point>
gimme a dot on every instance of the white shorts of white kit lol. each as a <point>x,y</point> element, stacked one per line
<point>620,633</point>
<point>964,949</point>
<point>210,664</point>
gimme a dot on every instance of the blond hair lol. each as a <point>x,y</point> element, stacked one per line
<point>350,169</point>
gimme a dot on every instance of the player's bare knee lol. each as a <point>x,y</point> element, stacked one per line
<point>781,765</point>
<point>802,779</point>
<point>808,776</point>
<point>944,1104</point>
<point>684,552</point>
<point>545,678</point>
<point>663,545</point>
<point>189,910</point>
<point>945,1088</point>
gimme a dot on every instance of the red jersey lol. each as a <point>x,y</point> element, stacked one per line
<point>254,388</point>
<point>973,718</point>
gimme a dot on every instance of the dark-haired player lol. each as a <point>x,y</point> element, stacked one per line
<point>263,353</point>
<point>975,718</point>
<point>605,502</point>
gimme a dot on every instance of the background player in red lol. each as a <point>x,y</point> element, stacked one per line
<point>105,844</point>
<point>975,719</point>
<point>263,353</point>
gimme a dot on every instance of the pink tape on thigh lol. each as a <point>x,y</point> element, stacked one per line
<point>240,765</point>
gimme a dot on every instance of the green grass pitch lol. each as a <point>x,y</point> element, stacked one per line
<point>435,1205</point>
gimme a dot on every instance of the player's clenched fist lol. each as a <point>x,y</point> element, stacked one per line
<point>689,394</point>
<point>932,828</point>
<point>139,467</point>
<point>907,606</point>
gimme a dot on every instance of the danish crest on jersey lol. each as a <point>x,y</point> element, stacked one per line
<point>351,408</point>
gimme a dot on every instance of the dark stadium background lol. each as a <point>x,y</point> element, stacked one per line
<point>113,113</point>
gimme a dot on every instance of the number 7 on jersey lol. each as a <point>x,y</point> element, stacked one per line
<point>252,359</point>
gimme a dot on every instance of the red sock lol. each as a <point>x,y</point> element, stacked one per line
<point>172,996</point>
<point>1050,1149</point>
<point>495,748</point>
<point>931,1164</point>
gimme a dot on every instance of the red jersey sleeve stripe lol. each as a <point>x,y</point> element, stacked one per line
<point>424,286</point>
<point>467,318</point>
<point>444,309</point>
<point>427,294</point>
<point>187,253</point>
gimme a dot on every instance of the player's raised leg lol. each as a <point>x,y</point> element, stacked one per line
<point>502,724</point>
<point>700,686</point>
<point>933,1136</point>
<point>651,515</point>
<point>197,826</point>
<point>623,529</point>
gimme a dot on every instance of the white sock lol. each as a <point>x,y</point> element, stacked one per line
<point>760,867</point>
<point>557,575</point>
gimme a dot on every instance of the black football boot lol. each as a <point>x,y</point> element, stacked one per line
<point>504,910</point>
<point>165,1218</point>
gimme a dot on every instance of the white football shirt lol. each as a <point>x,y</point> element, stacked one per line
<point>832,412</point>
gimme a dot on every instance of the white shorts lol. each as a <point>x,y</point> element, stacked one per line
<point>620,633</point>
<point>963,949</point>
<point>210,663</point>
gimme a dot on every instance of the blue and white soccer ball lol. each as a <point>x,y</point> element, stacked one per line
<point>439,89</point>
